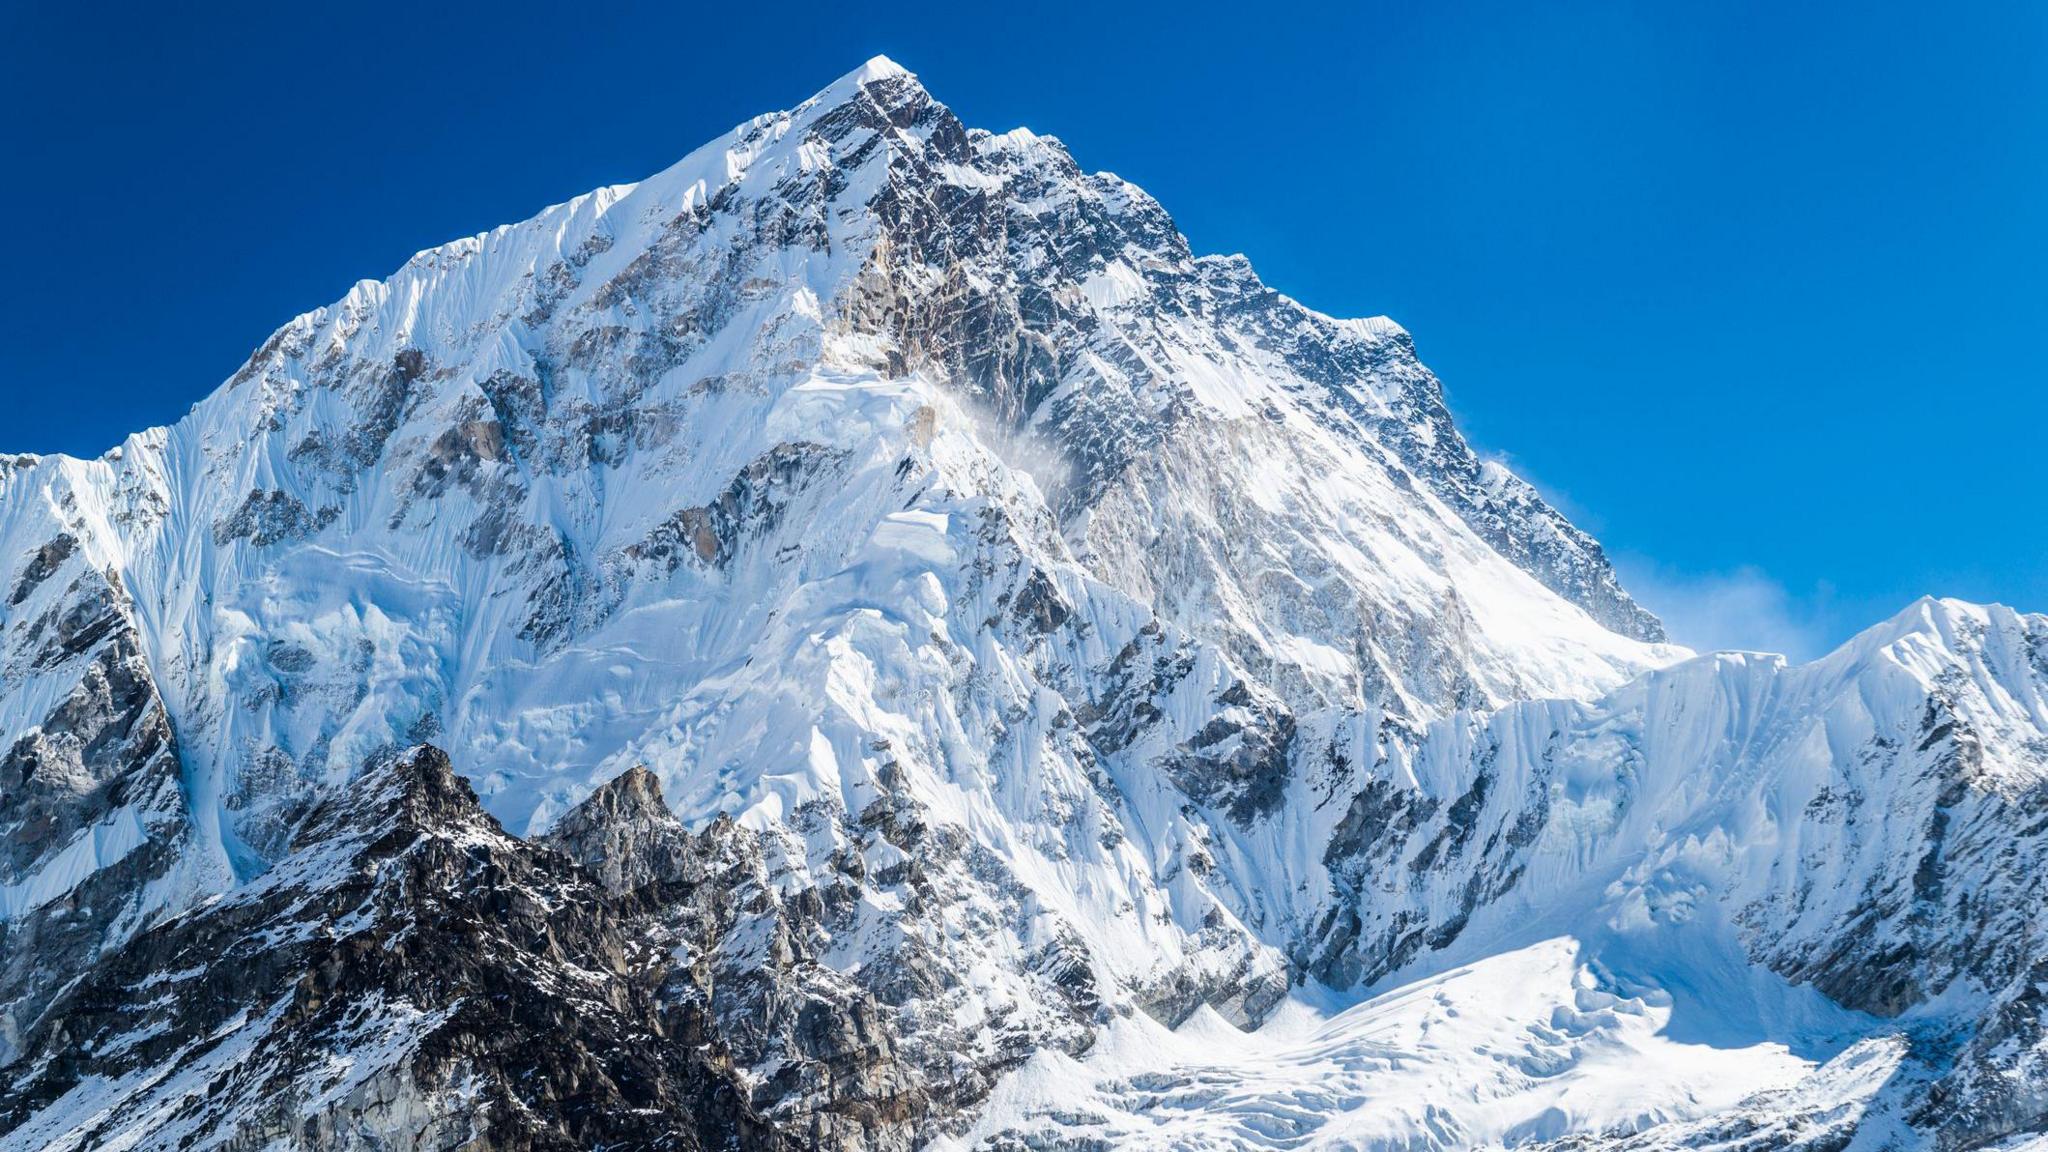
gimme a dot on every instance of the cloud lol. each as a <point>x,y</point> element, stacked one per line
<point>1744,609</point>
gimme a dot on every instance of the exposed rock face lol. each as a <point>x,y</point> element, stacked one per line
<point>625,836</point>
<point>925,632</point>
<point>408,976</point>
<point>93,823</point>
<point>850,1068</point>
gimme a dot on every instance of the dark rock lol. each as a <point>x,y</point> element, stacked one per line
<point>409,976</point>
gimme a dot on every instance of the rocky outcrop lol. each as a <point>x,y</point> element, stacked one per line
<point>851,1059</point>
<point>94,823</point>
<point>407,977</point>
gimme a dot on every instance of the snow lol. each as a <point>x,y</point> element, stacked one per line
<point>56,873</point>
<point>1115,284</point>
<point>1528,1044</point>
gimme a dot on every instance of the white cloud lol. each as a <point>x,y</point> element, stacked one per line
<point>1744,609</point>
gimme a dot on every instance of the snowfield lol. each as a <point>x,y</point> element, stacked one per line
<point>1523,1046</point>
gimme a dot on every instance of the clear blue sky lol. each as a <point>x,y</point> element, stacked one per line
<point>1759,292</point>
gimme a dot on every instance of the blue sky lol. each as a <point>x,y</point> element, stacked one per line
<point>1757,292</point>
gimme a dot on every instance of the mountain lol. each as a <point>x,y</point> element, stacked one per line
<point>864,640</point>
<point>1730,904</point>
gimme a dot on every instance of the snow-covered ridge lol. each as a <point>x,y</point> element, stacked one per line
<point>1731,901</point>
<point>1032,625</point>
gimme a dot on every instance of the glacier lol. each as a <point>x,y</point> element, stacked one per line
<point>875,612</point>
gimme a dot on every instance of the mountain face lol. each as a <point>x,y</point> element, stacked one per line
<point>863,640</point>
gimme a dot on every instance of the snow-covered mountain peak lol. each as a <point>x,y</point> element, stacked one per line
<point>857,83</point>
<point>897,575</point>
<point>846,344</point>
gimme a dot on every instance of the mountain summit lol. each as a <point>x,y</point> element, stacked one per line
<point>865,640</point>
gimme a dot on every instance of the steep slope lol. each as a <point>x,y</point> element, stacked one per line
<point>96,838</point>
<point>900,583</point>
